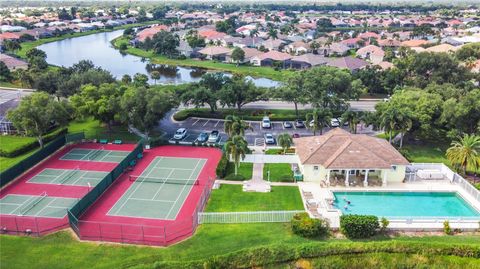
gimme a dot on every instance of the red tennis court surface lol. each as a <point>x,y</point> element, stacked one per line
<point>96,224</point>
<point>36,225</point>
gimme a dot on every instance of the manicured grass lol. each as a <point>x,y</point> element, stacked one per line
<point>9,85</point>
<point>60,250</point>
<point>279,151</point>
<point>279,172</point>
<point>231,198</point>
<point>246,114</point>
<point>245,171</point>
<point>94,129</point>
<point>254,71</point>
<point>12,142</point>
<point>6,163</point>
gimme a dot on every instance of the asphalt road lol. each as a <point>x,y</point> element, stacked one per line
<point>362,105</point>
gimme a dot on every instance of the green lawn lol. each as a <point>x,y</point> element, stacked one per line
<point>12,142</point>
<point>231,198</point>
<point>94,129</point>
<point>6,163</point>
<point>246,114</point>
<point>254,71</point>
<point>245,171</point>
<point>278,151</point>
<point>279,172</point>
<point>60,250</point>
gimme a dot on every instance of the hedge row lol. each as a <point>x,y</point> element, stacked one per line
<point>222,167</point>
<point>32,145</point>
<point>282,253</point>
<point>245,114</point>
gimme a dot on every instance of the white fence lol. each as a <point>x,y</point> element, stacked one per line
<point>450,175</point>
<point>247,217</point>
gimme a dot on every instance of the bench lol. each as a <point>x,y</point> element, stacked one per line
<point>117,142</point>
<point>103,141</point>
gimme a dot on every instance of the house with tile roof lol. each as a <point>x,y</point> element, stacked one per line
<point>215,53</point>
<point>371,53</point>
<point>271,57</point>
<point>350,63</point>
<point>13,63</point>
<point>308,60</point>
<point>339,157</point>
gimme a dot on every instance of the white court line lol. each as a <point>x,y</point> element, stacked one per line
<point>79,178</point>
<point>180,194</point>
<point>26,201</point>
<point>135,189</point>
<point>103,158</point>
<point>148,200</point>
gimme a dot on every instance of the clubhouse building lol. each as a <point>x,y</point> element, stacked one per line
<point>339,158</point>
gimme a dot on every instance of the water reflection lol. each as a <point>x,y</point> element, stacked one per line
<point>97,48</point>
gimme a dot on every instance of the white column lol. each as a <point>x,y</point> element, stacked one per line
<point>384,182</point>
<point>365,181</point>
<point>347,174</point>
<point>328,178</point>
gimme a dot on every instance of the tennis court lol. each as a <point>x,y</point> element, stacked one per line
<point>160,191</point>
<point>70,177</point>
<point>95,155</point>
<point>35,205</point>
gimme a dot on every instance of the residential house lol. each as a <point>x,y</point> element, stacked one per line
<point>298,47</point>
<point>334,49</point>
<point>13,63</point>
<point>350,63</point>
<point>385,65</point>
<point>352,43</point>
<point>248,42</point>
<point>371,53</point>
<point>442,48</point>
<point>391,43</point>
<point>270,58</point>
<point>249,54</point>
<point>215,53</point>
<point>150,32</point>
<point>414,43</point>
<point>307,61</point>
<point>212,35</point>
<point>272,44</point>
<point>341,158</point>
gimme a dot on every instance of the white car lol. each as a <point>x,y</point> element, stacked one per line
<point>214,137</point>
<point>334,122</point>
<point>266,122</point>
<point>180,134</point>
<point>269,139</point>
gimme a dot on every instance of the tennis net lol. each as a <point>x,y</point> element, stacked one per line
<point>164,180</point>
<point>28,206</point>
<point>69,175</point>
<point>95,153</point>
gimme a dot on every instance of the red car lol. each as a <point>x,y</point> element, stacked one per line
<point>295,135</point>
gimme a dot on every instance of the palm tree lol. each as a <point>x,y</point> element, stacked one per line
<point>387,122</point>
<point>234,125</point>
<point>320,118</point>
<point>470,63</point>
<point>395,120</point>
<point>403,125</point>
<point>272,33</point>
<point>285,141</point>
<point>155,75</point>
<point>465,152</point>
<point>236,148</point>
<point>352,118</point>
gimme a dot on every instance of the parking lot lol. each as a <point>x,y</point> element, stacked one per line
<point>254,136</point>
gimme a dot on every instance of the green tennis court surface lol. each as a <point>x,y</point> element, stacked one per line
<point>160,191</point>
<point>68,177</point>
<point>35,206</point>
<point>95,155</point>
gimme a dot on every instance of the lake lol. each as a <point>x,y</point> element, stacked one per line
<point>98,49</point>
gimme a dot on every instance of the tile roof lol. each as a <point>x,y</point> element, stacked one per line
<point>275,55</point>
<point>348,63</point>
<point>214,50</point>
<point>339,149</point>
<point>313,59</point>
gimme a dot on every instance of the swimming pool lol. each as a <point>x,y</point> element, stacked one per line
<point>403,204</point>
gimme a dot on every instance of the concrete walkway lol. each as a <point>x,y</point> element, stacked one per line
<point>263,158</point>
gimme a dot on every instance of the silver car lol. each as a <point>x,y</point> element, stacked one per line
<point>269,139</point>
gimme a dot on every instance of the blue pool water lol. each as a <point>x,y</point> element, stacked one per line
<point>403,204</point>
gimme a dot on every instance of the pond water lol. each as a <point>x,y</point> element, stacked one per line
<point>98,49</point>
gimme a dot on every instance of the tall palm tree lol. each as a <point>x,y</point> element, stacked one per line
<point>352,118</point>
<point>470,63</point>
<point>387,122</point>
<point>234,125</point>
<point>272,33</point>
<point>285,141</point>
<point>396,120</point>
<point>403,125</point>
<point>465,152</point>
<point>236,148</point>
<point>319,119</point>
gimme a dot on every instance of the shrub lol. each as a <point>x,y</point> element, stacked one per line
<point>305,226</point>
<point>158,141</point>
<point>222,167</point>
<point>33,145</point>
<point>384,224</point>
<point>359,226</point>
<point>446,228</point>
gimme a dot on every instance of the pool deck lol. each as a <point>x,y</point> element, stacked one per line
<point>322,195</point>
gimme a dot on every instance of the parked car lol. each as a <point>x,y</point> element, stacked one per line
<point>266,122</point>
<point>180,134</point>
<point>202,137</point>
<point>287,124</point>
<point>269,139</point>
<point>214,137</point>
<point>334,122</point>
<point>299,124</point>
<point>295,135</point>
